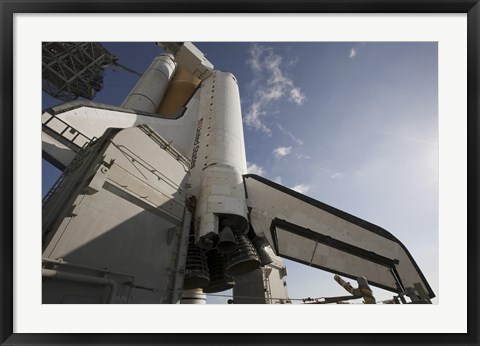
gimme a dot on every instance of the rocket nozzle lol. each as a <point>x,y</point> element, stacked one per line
<point>263,255</point>
<point>226,241</point>
<point>244,259</point>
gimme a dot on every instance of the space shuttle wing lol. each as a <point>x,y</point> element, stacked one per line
<point>305,230</point>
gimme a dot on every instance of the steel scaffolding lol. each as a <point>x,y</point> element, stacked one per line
<point>73,69</point>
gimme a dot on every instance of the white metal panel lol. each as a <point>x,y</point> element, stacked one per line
<point>295,225</point>
<point>295,246</point>
<point>323,256</point>
<point>92,119</point>
<point>334,259</point>
<point>192,59</point>
<point>277,286</point>
<point>59,154</point>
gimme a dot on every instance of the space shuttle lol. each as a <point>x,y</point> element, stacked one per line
<point>155,204</point>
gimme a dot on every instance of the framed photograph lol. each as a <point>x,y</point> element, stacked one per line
<point>371,108</point>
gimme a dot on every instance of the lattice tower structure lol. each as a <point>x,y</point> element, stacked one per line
<point>74,69</point>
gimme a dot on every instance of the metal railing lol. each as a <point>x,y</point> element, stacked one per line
<point>62,128</point>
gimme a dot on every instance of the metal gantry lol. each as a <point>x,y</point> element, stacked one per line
<point>73,69</point>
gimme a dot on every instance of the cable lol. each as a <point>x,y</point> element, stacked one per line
<point>326,300</point>
<point>247,297</point>
<point>116,64</point>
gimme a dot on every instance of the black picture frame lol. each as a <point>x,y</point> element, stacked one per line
<point>10,7</point>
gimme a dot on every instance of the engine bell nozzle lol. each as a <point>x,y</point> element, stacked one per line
<point>226,241</point>
<point>219,279</point>
<point>263,255</point>
<point>244,259</point>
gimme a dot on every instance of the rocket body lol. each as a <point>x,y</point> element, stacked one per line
<point>147,94</point>
<point>218,160</point>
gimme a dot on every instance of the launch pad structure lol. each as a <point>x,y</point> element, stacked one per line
<point>155,204</point>
<point>75,69</point>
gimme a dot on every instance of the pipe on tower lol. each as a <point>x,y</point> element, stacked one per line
<point>94,280</point>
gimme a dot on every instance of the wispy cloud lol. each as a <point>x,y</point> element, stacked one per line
<point>278,180</point>
<point>288,133</point>
<point>252,119</point>
<point>255,57</point>
<point>293,61</point>
<point>302,188</point>
<point>253,168</point>
<point>405,137</point>
<point>281,151</point>
<point>336,175</point>
<point>353,53</point>
<point>272,84</point>
<point>304,157</point>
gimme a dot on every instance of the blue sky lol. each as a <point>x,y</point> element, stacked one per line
<point>352,124</point>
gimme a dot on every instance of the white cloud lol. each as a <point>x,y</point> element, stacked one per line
<point>253,168</point>
<point>253,116</point>
<point>336,175</point>
<point>272,84</point>
<point>278,180</point>
<point>302,188</point>
<point>297,96</point>
<point>255,57</point>
<point>353,53</point>
<point>281,151</point>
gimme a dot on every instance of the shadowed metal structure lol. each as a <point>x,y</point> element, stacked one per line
<point>75,69</point>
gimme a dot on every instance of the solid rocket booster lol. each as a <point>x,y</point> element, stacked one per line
<point>147,94</point>
<point>218,160</point>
